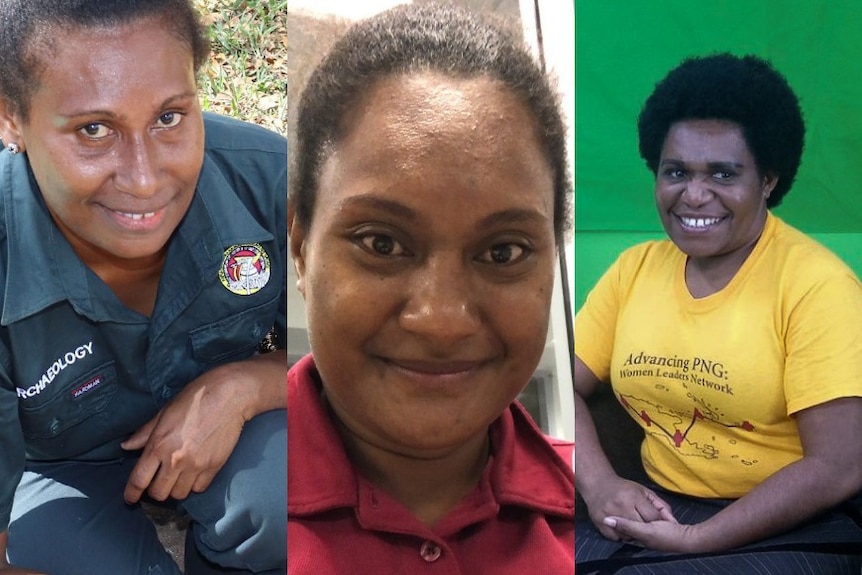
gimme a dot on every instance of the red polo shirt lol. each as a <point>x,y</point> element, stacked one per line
<point>519,520</point>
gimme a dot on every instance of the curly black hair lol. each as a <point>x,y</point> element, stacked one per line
<point>413,38</point>
<point>28,27</point>
<point>745,90</point>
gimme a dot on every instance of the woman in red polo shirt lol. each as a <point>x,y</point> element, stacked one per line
<point>429,198</point>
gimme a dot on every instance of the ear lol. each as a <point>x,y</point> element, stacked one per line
<point>10,125</point>
<point>770,180</point>
<point>297,233</point>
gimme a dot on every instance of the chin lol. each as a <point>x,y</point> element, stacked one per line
<point>695,249</point>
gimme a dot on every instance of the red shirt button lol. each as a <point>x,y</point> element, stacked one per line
<point>430,551</point>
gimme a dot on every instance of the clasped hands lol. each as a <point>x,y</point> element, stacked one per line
<point>624,510</point>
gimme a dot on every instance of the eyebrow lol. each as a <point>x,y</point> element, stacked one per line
<point>113,115</point>
<point>710,165</point>
<point>510,216</point>
<point>373,202</point>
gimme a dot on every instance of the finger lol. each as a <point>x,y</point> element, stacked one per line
<point>634,532</point>
<point>183,485</point>
<point>163,484</point>
<point>646,511</point>
<point>203,480</point>
<point>625,528</point>
<point>662,506</point>
<point>608,533</point>
<point>140,438</point>
<point>140,477</point>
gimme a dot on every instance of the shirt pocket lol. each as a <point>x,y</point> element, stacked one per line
<point>75,402</point>
<point>235,337</point>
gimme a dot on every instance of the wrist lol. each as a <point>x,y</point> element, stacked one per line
<point>257,384</point>
<point>702,538</point>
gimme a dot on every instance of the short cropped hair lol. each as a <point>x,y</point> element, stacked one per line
<point>416,38</point>
<point>27,24</point>
<point>745,90</point>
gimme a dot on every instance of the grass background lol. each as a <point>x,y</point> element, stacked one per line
<point>246,75</point>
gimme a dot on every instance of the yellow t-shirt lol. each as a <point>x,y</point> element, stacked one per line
<point>714,381</point>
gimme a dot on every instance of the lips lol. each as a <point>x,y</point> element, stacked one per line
<point>435,367</point>
<point>135,215</point>
<point>431,372</point>
<point>136,221</point>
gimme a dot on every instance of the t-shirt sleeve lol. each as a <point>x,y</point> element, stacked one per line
<point>595,323</point>
<point>824,342</point>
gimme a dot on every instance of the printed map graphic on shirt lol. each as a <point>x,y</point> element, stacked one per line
<point>688,426</point>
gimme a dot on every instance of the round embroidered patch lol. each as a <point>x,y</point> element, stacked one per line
<point>245,269</point>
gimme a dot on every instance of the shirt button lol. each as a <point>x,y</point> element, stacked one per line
<point>430,551</point>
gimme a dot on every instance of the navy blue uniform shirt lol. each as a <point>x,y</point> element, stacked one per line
<point>79,372</point>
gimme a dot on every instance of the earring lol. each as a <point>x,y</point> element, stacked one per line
<point>12,147</point>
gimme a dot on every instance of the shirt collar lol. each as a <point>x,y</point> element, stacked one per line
<point>43,269</point>
<point>40,268</point>
<point>522,458</point>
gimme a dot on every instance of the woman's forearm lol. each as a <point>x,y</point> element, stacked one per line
<point>793,494</point>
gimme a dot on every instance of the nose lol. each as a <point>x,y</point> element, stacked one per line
<point>136,172</point>
<point>697,192</point>
<point>442,305</point>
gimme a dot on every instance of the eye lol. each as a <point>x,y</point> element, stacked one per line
<point>674,173</point>
<point>721,175</point>
<point>381,244</point>
<point>95,131</point>
<point>169,119</point>
<point>504,254</point>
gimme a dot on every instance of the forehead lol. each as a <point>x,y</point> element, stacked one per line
<point>91,44</point>
<point>421,111</point>
<point>94,67</point>
<point>705,140</point>
<point>433,142</point>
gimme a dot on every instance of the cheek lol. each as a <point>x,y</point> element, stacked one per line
<point>665,195</point>
<point>522,316</point>
<point>339,306</point>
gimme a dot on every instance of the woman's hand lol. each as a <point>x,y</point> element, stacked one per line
<point>623,499</point>
<point>663,535</point>
<point>188,441</point>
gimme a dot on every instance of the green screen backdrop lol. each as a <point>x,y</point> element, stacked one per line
<point>623,47</point>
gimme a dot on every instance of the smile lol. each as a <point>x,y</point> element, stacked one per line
<point>136,222</point>
<point>433,372</point>
<point>698,223</point>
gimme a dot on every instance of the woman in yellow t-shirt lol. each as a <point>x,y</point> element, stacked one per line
<point>734,344</point>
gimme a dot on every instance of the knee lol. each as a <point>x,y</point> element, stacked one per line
<point>242,519</point>
<point>253,540</point>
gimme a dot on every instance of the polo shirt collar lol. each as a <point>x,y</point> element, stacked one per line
<point>522,459</point>
<point>43,269</point>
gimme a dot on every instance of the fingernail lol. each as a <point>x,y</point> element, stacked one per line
<point>610,521</point>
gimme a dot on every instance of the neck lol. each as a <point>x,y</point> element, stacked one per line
<point>134,281</point>
<point>429,487</point>
<point>709,275</point>
<point>706,276</point>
